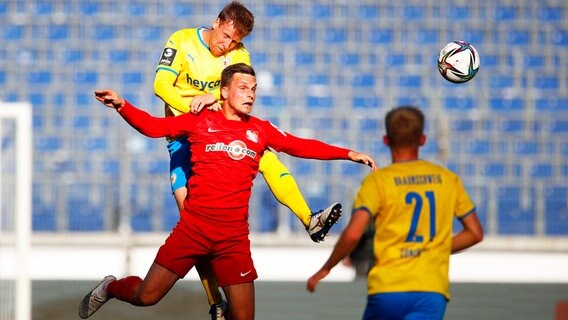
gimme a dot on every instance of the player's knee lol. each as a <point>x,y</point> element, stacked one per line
<point>148,298</point>
<point>241,314</point>
<point>270,163</point>
<point>267,159</point>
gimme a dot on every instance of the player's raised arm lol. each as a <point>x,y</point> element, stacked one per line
<point>164,89</point>
<point>143,122</point>
<point>313,149</point>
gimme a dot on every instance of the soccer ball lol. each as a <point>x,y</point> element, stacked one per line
<point>458,62</point>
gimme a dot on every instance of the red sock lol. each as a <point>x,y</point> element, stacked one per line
<point>123,289</point>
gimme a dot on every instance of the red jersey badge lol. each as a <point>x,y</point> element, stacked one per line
<point>252,136</point>
<point>226,62</point>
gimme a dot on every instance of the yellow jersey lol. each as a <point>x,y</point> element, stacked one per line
<point>413,205</point>
<point>197,71</point>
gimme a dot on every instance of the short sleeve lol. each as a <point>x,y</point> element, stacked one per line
<point>368,196</point>
<point>464,205</point>
<point>172,57</point>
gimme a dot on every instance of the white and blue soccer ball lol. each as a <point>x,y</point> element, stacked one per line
<point>458,62</point>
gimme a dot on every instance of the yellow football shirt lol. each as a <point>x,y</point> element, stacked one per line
<point>197,71</point>
<point>413,205</point>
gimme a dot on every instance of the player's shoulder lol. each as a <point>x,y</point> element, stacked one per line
<point>240,54</point>
<point>442,170</point>
<point>412,167</point>
<point>186,30</point>
<point>381,173</point>
<point>261,124</point>
<point>195,117</point>
<point>205,118</point>
<point>242,48</point>
<point>433,165</point>
<point>257,121</point>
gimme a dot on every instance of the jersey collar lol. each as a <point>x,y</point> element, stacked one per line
<point>200,36</point>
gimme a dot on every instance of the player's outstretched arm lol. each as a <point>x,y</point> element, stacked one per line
<point>312,148</point>
<point>140,120</point>
<point>109,98</point>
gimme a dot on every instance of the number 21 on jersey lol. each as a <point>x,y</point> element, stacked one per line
<point>418,200</point>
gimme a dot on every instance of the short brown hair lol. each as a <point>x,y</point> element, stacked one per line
<point>228,72</point>
<point>404,126</point>
<point>242,18</point>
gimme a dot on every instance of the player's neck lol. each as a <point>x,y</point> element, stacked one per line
<point>206,36</point>
<point>232,114</point>
<point>404,154</point>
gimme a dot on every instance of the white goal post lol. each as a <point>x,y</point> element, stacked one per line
<point>15,210</point>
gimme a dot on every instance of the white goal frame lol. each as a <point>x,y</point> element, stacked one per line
<point>19,240</point>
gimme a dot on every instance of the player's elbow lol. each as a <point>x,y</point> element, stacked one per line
<point>477,235</point>
<point>474,236</point>
<point>158,87</point>
<point>162,82</point>
<point>352,236</point>
<point>473,227</point>
<point>476,232</point>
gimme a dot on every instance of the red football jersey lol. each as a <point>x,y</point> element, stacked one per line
<point>225,155</point>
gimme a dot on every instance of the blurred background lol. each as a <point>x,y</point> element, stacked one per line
<point>327,69</point>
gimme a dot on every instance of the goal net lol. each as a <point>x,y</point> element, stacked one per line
<point>15,210</point>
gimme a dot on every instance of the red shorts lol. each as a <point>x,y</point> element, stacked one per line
<point>226,245</point>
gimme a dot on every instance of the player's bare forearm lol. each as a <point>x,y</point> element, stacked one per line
<point>463,240</point>
<point>315,279</point>
<point>109,98</point>
<point>348,240</point>
<point>207,100</point>
<point>343,247</point>
<point>471,234</point>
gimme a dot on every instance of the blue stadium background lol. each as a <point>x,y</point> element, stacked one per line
<point>326,69</point>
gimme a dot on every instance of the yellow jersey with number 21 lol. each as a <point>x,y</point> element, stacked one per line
<point>413,205</point>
